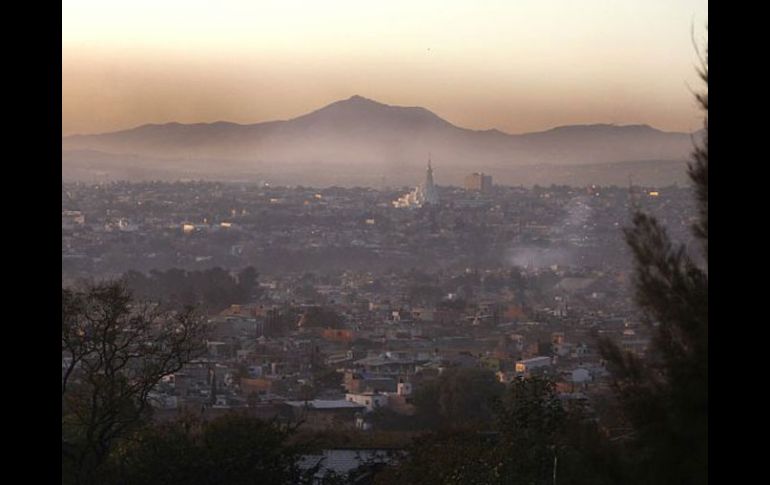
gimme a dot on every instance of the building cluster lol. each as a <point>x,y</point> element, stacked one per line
<point>513,280</point>
<point>110,229</point>
<point>479,182</point>
<point>269,359</point>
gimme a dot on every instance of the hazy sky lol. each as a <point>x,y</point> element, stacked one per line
<point>515,65</point>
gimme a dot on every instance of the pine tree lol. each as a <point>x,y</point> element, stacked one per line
<point>665,397</point>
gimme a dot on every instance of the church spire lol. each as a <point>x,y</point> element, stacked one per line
<point>428,192</point>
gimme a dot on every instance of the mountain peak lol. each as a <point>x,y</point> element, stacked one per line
<point>358,100</point>
<point>358,112</point>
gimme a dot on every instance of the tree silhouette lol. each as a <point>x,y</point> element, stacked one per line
<point>665,397</point>
<point>232,449</point>
<point>458,397</point>
<point>534,429</point>
<point>114,353</point>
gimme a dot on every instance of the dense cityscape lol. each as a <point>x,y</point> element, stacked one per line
<point>335,307</point>
<point>109,229</point>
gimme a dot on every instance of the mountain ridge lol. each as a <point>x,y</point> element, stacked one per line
<point>358,99</point>
<point>358,133</point>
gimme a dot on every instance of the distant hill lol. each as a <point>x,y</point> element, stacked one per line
<point>360,139</point>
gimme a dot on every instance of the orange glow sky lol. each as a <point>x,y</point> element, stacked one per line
<point>514,65</point>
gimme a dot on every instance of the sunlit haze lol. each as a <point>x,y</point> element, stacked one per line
<point>517,66</point>
<point>319,241</point>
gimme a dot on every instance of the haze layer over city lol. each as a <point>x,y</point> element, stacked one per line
<point>318,241</point>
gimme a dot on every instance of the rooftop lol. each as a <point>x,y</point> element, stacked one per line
<point>324,404</point>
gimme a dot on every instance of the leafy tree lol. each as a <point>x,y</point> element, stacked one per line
<point>247,283</point>
<point>217,288</point>
<point>327,378</point>
<point>161,453</point>
<point>114,353</point>
<point>536,435</point>
<point>460,396</point>
<point>243,450</point>
<point>213,288</point>
<point>665,397</point>
<point>544,439</point>
<point>233,449</point>
<point>320,316</point>
<point>446,457</point>
<point>531,419</point>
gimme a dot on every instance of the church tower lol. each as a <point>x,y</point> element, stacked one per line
<point>429,193</point>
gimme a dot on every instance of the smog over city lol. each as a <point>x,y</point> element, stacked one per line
<point>384,242</point>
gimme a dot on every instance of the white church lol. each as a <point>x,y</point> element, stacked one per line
<point>423,194</point>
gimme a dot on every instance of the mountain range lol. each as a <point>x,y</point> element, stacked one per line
<point>359,141</point>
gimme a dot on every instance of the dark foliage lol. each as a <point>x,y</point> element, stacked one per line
<point>458,397</point>
<point>320,316</point>
<point>664,398</point>
<point>215,289</point>
<point>535,437</point>
<point>232,450</point>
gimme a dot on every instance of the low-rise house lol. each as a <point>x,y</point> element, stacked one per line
<point>355,465</point>
<point>535,365</point>
<point>371,400</point>
<point>323,414</point>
